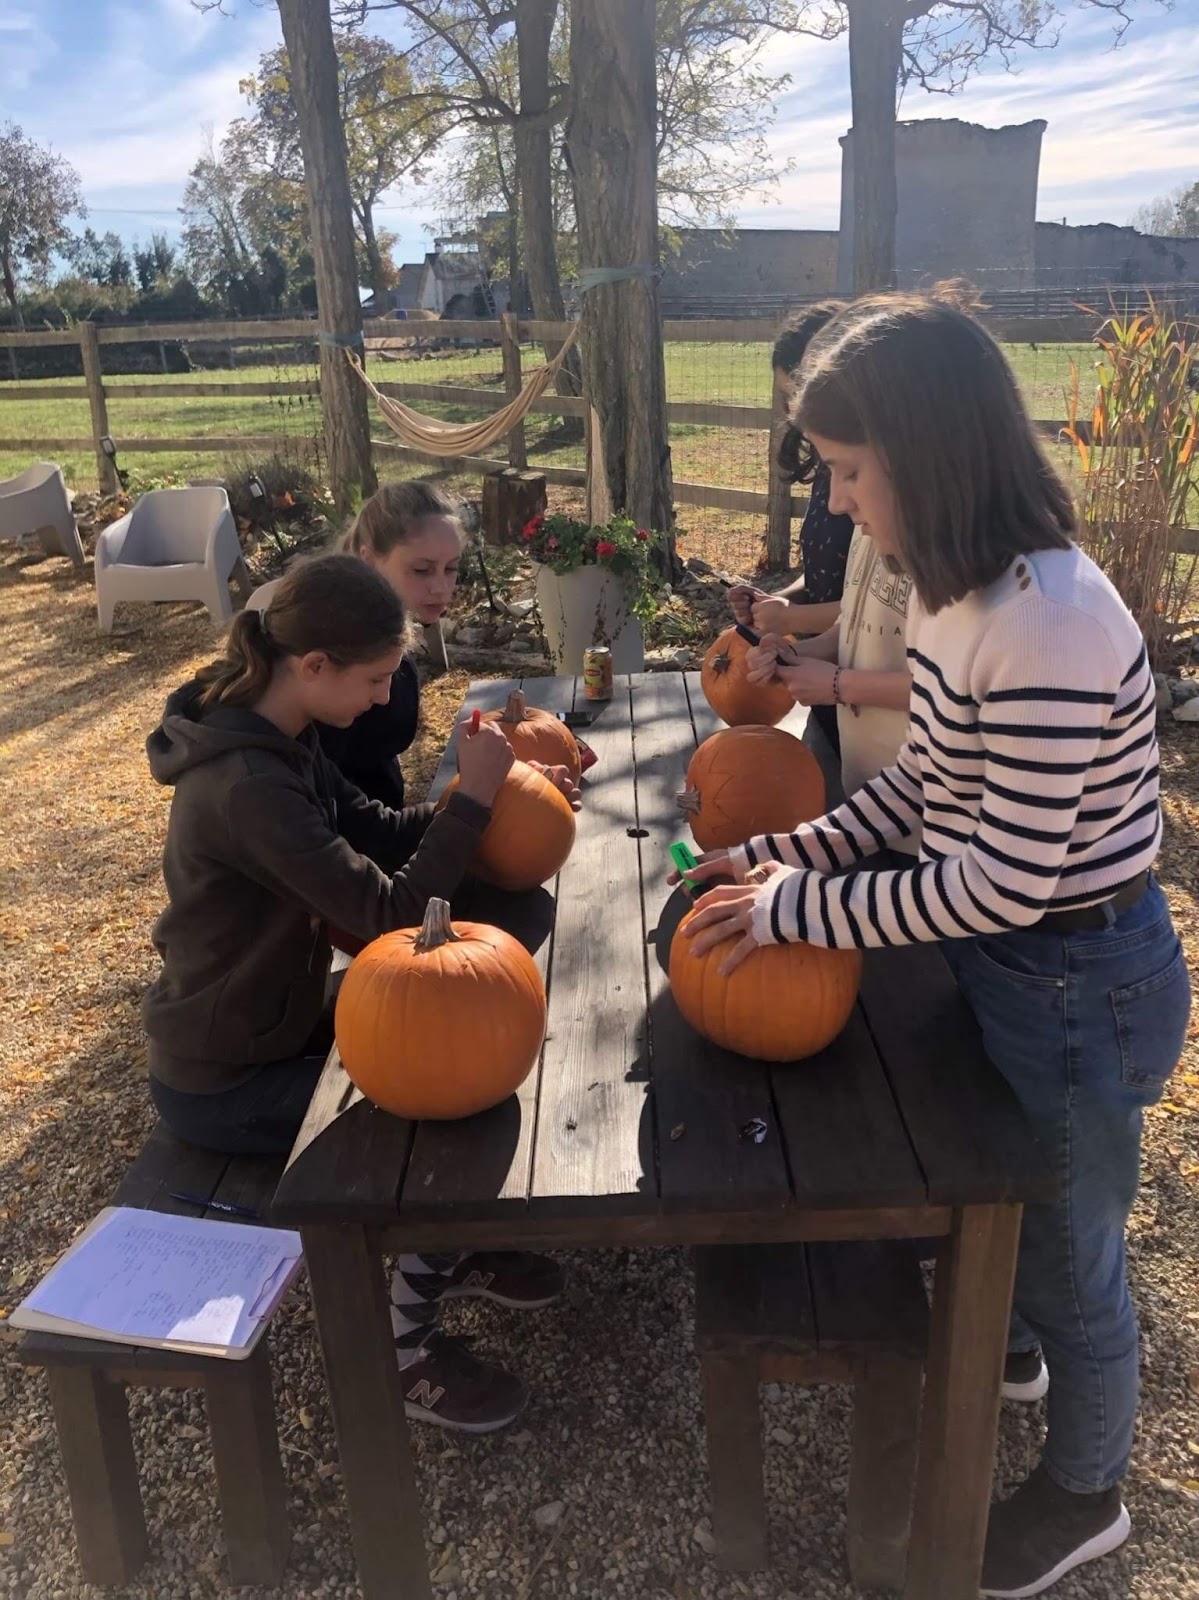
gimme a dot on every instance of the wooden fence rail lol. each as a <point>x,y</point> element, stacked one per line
<point>386,336</point>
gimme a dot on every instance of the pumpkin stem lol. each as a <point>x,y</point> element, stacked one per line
<point>721,663</point>
<point>436,929</point>
<point>514,711</point>
<point>688,800</point>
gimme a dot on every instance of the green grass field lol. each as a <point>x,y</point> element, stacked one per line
<point>718,373</point>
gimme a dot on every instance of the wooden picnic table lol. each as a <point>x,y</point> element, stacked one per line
<point>632,1132</point>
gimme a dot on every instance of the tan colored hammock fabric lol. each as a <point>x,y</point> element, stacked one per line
<point>436,438</point>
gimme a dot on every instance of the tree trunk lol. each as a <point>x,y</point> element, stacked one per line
<point>534,178</point>
<point>308,35</point>
<point>374,259</point>
<point>612,138</point>
<point>875,42</point>
<point>10,288</point>
<point>516,302</point>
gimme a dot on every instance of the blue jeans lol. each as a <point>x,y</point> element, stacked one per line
<point>259,1117</point>
<point>1086,1028</point>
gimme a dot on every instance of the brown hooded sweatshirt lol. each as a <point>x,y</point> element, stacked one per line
<point>266,845</point>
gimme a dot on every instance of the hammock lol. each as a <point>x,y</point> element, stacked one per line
<point>436,438</point>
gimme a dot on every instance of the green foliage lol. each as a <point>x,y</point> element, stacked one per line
<point>38,192</point>
<point>564,544</point>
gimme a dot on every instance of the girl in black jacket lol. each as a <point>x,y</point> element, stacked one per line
<point>409,533</point>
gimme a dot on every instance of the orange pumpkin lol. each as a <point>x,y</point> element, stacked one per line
<point>440,1021</point>
<point>729,692</point>
<point>749,780</point>
<point>537,735</point>
<point>784,1002</point>
<point>531,832</point>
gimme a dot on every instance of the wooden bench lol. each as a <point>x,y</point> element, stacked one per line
<point>818,1313</point>
<point>89,1378</point>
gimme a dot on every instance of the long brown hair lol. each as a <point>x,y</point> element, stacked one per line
<point>388,518</point>
<point>336,604</point>
<point>796,458</point>
<point>930,390</point>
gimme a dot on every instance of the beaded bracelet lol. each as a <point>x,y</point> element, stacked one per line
<point>837,700</point>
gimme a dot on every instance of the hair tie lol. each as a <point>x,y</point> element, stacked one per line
<point>262,623</point>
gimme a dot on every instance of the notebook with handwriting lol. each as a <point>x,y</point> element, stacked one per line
<point>169,1282</point>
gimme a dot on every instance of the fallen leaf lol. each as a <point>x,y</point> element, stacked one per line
<point>306,1419</point>
<point>6,1538</point>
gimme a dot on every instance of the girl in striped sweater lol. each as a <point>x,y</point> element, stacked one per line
<point>1031,766</point>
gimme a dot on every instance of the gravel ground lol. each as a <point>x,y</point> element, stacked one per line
<point>599,1491</point>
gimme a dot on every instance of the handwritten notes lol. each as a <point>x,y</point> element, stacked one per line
<point>150,1278</point>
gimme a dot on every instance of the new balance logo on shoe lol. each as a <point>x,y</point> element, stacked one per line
<point>475,1279</point>
<point>423,1394</point>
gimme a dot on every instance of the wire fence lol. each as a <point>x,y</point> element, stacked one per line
<point>254,389</point>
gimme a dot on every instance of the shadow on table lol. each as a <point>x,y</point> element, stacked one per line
<point>528,917</point>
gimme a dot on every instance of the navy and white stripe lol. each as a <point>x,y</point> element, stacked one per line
<point>1031,764</point>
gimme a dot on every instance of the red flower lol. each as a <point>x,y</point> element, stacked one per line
<point>605,547</point>
<point>551,544</point>
<point>532,528</point>
<point>642,534</point>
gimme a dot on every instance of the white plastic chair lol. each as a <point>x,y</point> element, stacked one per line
<point>35,504</point>
<point>176,544</point>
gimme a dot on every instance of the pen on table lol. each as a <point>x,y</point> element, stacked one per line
<point>215,1205</point>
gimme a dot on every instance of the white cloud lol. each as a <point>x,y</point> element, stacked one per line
<point>130,108</point>
<point>1121,123</point>
<point>26,50</point>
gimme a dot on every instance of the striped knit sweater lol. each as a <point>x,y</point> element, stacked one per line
<point>1031,763</point>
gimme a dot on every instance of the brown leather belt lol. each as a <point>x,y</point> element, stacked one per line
<point>1097,915</point>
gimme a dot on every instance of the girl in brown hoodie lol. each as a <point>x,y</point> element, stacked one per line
<point>267,844</point>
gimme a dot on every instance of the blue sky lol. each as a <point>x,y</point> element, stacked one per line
<point>126,90</point>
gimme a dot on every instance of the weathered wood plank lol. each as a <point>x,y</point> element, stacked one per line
<point>971,1298</point>
<point>43,391</point>
<point>541,1229</point>
<point>702,1096</point>
<point>719,498</point>
<point>483,1165</point>
<point>245,1447</point>
<point>210,332</point>
<point>39,340</point>
<point>595,1126</point>
<point>350,1167</point>
<point>92,1421</point>
<point>747,1296</point>
<point>199,391</point>
<point>368,1413</point>
<point>840,1127</point>
<point>483,399</point>
<point>190,444</point>
<point>968,1131</point>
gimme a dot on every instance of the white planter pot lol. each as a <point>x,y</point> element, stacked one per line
<point>585,607</point>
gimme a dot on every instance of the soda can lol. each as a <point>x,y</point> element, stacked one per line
<point>597,673</point>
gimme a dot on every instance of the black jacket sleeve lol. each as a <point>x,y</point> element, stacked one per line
<point>375,871</point>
